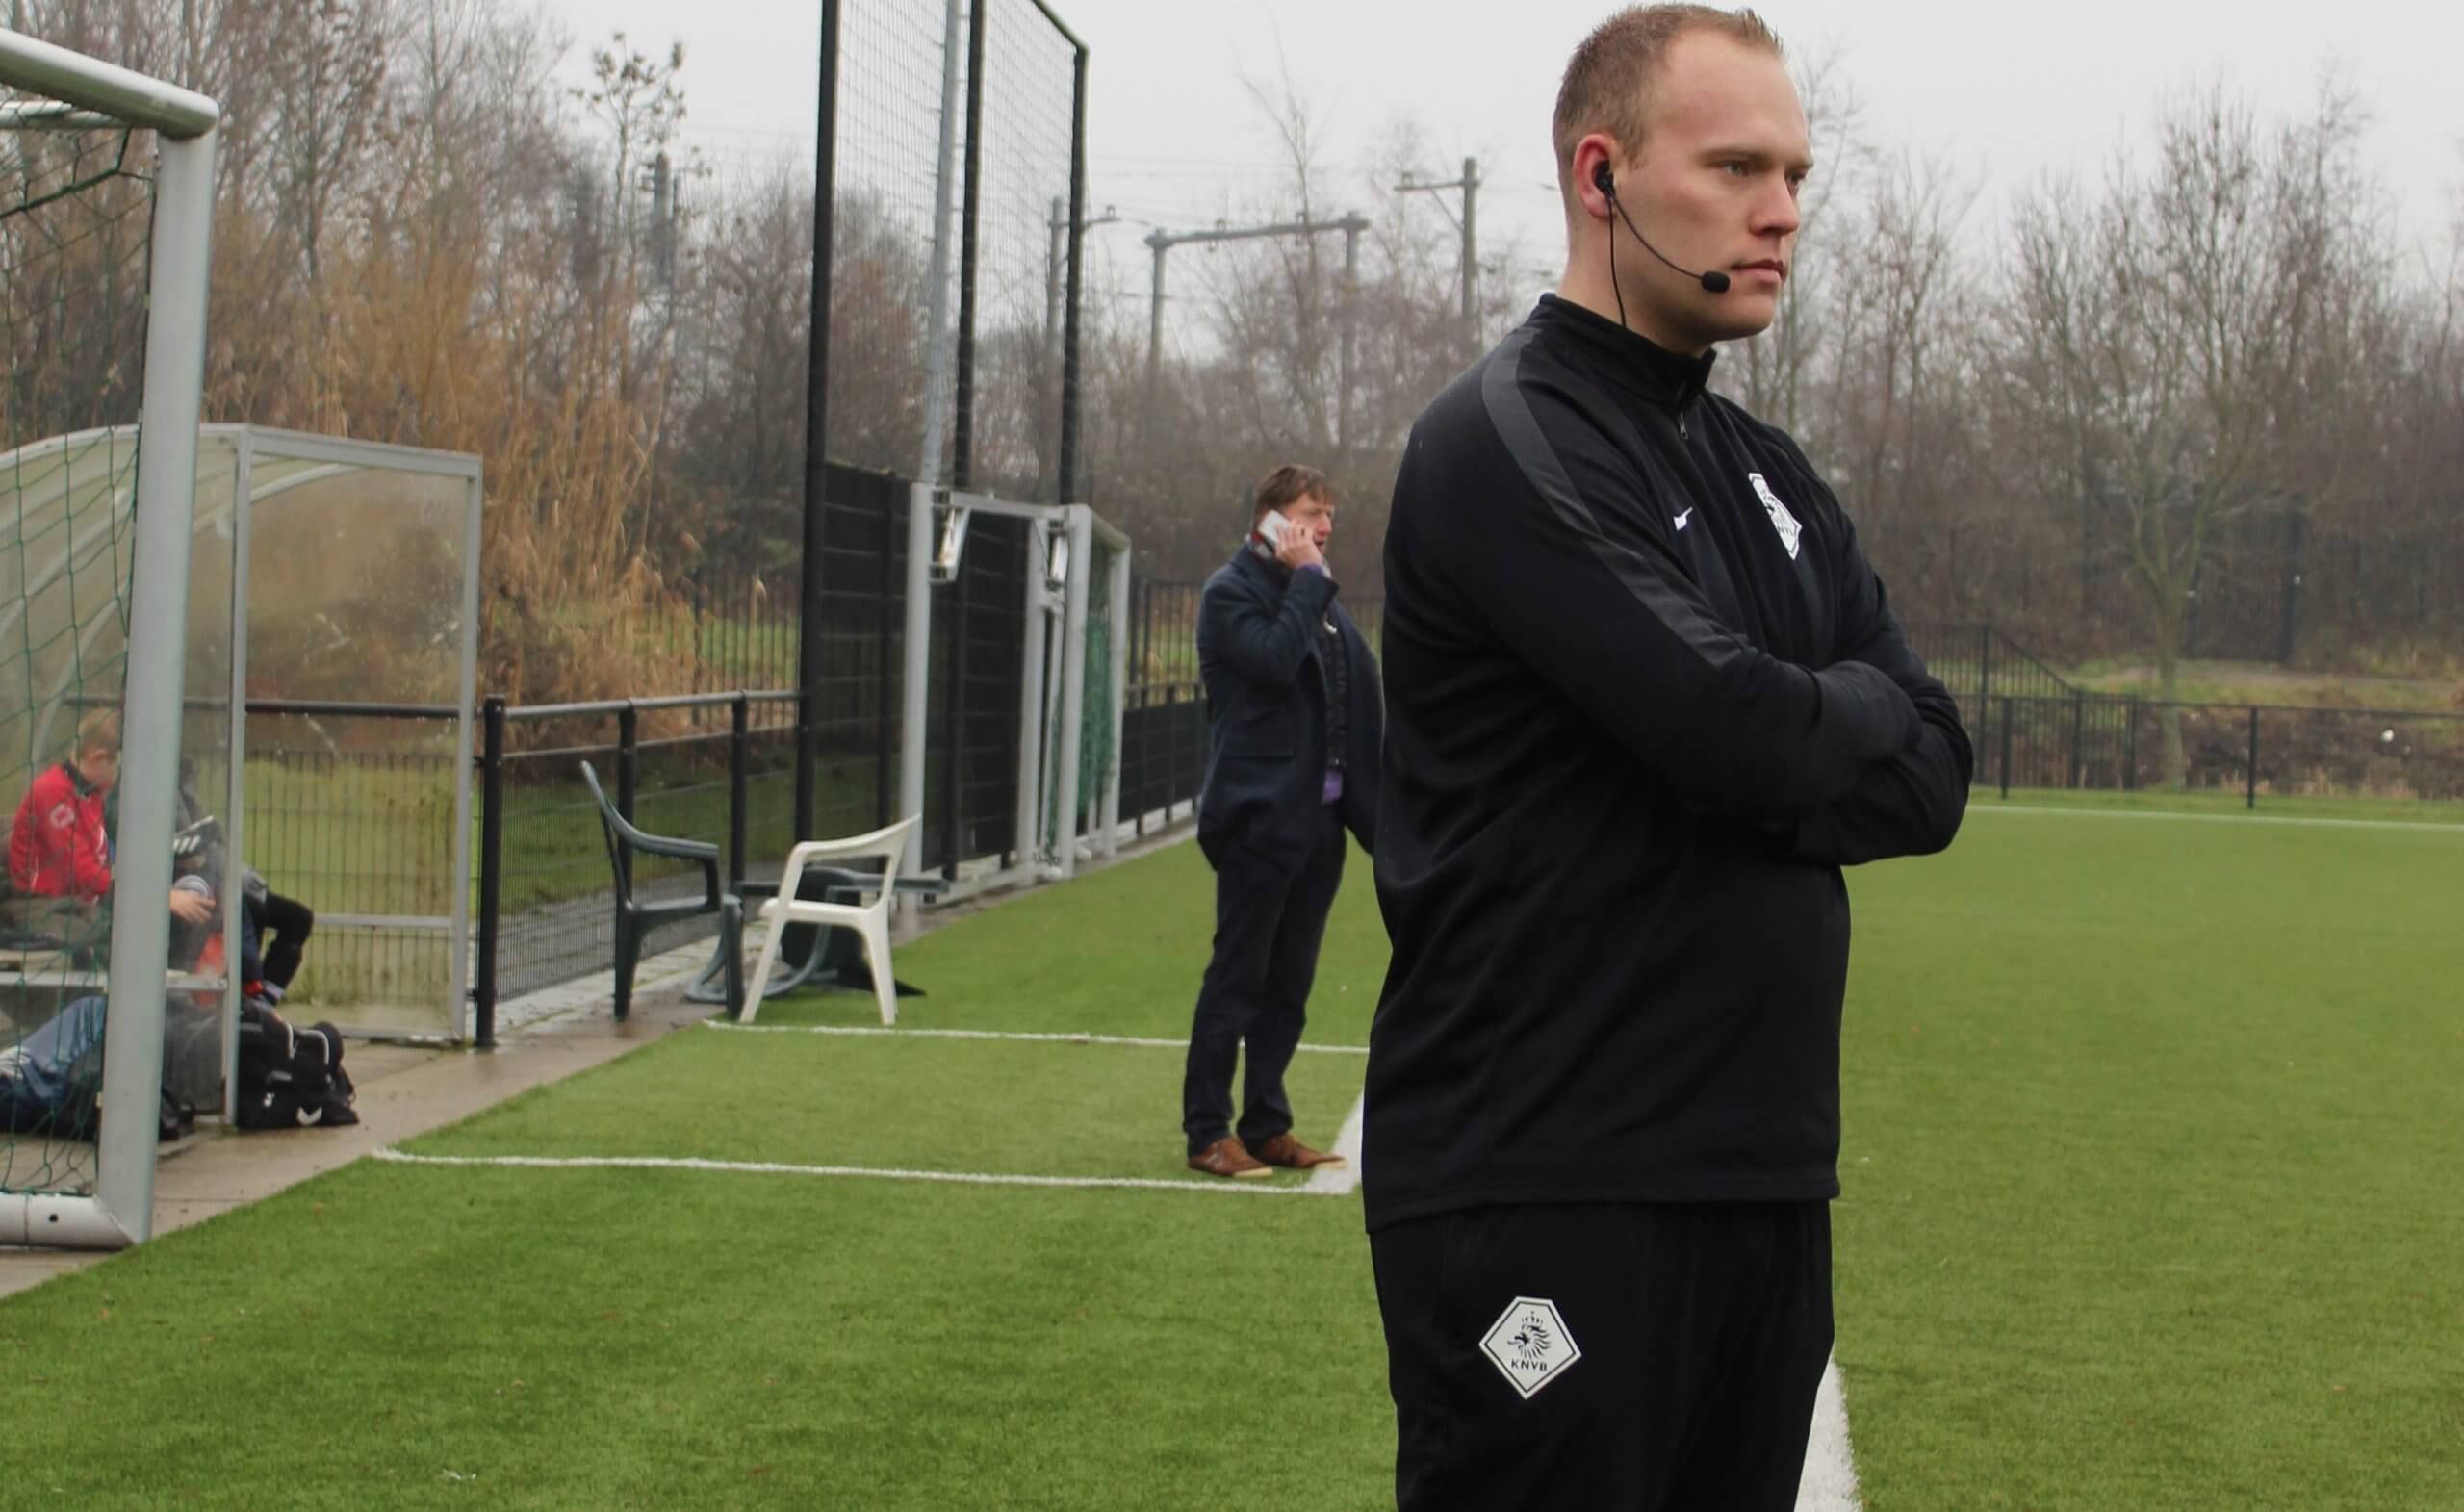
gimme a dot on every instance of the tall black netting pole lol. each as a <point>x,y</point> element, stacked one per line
<point>809,622</point>
<point>1066,473</point>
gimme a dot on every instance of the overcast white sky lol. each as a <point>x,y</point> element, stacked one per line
<point>2009,91</point>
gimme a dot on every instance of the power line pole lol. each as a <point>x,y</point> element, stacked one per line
<point>1351,335</point>
<point>1056,259</point>
<point>1161,242</point>
<point>1470,226</point>
<point>663,224</point>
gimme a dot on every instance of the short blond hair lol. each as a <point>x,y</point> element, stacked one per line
<point>1609,80</point>
<point>100,731</point>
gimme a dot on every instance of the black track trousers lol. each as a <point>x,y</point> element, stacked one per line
<point>1670,1352</point>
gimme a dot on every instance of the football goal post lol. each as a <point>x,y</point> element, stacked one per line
<point>106,207</point>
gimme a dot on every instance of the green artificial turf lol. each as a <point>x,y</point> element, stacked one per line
<point>2149,1169</point>
<point>2151,1135</point>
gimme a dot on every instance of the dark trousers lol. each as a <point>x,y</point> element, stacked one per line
<point>287,923</point>
<point>1269,921</point>
<point>1631,1357</point>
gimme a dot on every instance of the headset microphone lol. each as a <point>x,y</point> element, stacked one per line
<point>1713,282</point>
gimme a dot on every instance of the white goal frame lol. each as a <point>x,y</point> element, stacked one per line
<point>65,90</point>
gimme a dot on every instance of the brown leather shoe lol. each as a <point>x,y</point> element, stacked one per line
<point>1292,1155</point>
<point>1228,1157</point>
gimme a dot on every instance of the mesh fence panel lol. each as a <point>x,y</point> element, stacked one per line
<point>863,593</point>
<point>1022,162</point>
<point>886,144</point>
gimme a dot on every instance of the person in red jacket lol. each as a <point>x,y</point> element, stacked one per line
<point>60,855</point>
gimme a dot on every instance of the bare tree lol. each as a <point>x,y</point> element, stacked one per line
<point>1893,428</point>
<point>327,90</point>
<point>2163,334</point>
<point>638,99</point>
<point>1818,311</point>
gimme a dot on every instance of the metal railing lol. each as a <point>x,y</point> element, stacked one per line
<point>1978,663</point>
<point>1163,737</point>
<point>1163,757</point>
<point>720,767</point>
<point>715,766</point>
<point>2093,741</point>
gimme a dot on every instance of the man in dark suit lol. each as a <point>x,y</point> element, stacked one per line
<point>1294,722</point>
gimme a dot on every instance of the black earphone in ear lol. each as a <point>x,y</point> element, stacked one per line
<point>1605,179</point>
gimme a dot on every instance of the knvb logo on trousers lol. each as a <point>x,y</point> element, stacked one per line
<point>1531,1344</point>
<point>1781,519</point>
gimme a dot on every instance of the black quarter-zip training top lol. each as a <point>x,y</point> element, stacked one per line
<point>1644,698</point>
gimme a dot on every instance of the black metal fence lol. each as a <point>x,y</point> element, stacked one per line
<point>2085,740</point>
<point>722,766</point>
<point>1163,756</point>
<point>1979,662</point>
<point>353,803</point>
<point>712,767</point>
<point>737,632</point>
<point>1162,724</point>
<point>2032,727</point>
<point>2278,586</point>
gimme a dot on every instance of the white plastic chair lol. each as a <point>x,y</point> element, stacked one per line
<point>869,920</point>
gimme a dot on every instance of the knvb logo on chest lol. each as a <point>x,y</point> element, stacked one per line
<point>1790,532</point>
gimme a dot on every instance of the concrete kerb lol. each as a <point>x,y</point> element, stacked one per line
<point>406,1090</point>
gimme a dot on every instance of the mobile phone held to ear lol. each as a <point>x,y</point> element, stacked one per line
<point>1267,538</point>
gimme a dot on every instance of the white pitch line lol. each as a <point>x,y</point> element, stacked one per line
<point>881,1173</point>
<point>2288,820</point>
<point>867,1032</point>
<point>1829,1483</point>
<point>1341,1180</point>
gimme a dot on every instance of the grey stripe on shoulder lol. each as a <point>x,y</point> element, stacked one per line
<point>1501,394</point>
